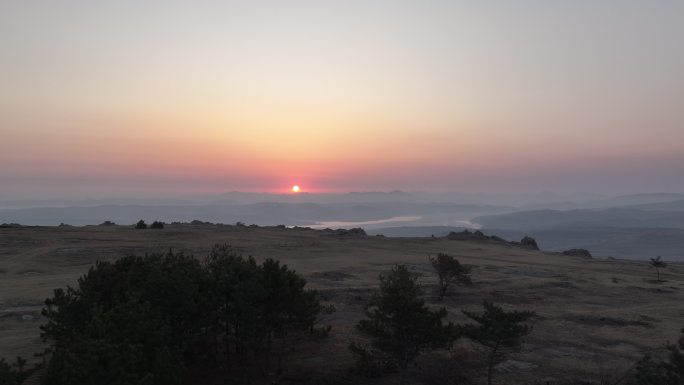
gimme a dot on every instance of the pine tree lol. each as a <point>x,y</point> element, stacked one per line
<point>449,271</point>
<point>498,330</point>
<point>399,323</point>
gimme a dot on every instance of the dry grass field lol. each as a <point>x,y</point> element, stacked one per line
<point>595,317</point>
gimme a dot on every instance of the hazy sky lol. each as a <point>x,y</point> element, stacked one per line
<point>131,97</point>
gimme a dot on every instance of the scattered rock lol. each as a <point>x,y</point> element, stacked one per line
<point>514,366</point>
<point>356,232</point>
<point>11,225</point>
<point>477,235</point>
<point>332,275</point>
<point>582,253</point>
<point>525,271</point>
<point>300,228</point>
<point>467,235</point>
<point>559,351</point>
<point>30,272</point>
<point>607,321</point>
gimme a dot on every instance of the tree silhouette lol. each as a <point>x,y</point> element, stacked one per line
<point>141,225</point>
<point>657,263</point>
<point>498,331</point>
<point>131,321</point>
<point>449,271</point>
<point>13,374</point>
<point>145,320</point>
<point>399,323</point>
<point>256,304</point>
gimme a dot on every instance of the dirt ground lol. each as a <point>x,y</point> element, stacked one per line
<point>595,317</point>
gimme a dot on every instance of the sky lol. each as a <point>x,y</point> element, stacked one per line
<point>173,97</point>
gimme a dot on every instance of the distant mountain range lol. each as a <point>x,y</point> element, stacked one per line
<point>264,213</point>
<point>637,199</point>
<point>612,217</point>
<point>638,226</point>
<point>630,243</point>
<point>630,226</point>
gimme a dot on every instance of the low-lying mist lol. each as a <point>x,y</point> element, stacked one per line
<point>633,226</point>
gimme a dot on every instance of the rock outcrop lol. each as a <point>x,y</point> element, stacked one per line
<point>355,232</point>
<point>477,235</point>
<point>583,253</point>
<point>529,242</point>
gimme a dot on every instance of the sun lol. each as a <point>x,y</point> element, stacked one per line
<point>295,189</point>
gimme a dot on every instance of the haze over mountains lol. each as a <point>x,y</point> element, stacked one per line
<point>630,226</point>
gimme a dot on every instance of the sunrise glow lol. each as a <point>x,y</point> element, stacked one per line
<point>431,96</point>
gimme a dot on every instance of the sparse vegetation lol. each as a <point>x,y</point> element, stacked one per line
<point>13,374</point>
<point>229,318</point>
<point>400,325</point>
<point>668,371</point>
<point>449,270</point>
<point>657,264</point>
<point>499,331</point>
<point>157,225</point>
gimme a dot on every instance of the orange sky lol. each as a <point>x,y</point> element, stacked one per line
<point>341,96</point>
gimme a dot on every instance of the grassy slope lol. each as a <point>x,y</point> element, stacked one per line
<point>596,316</point>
